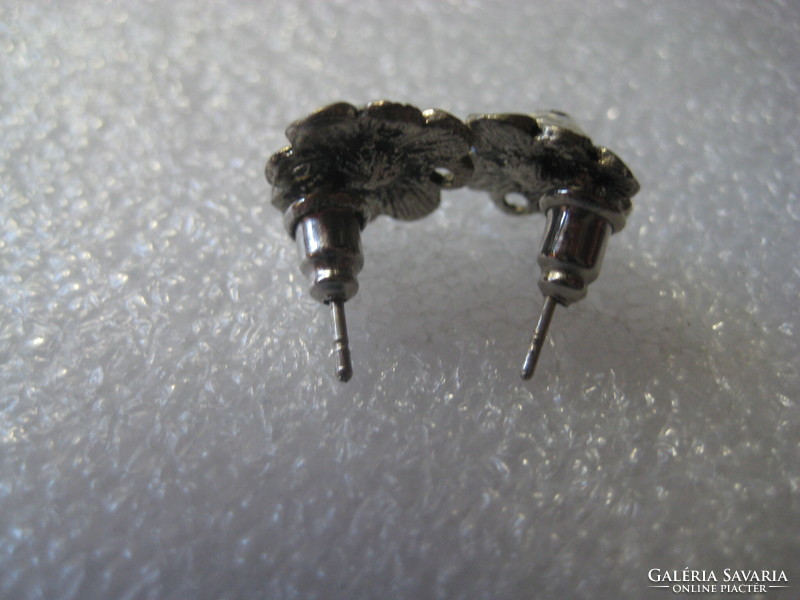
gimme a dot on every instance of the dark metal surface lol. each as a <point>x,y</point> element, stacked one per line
<point>347,165</point>
<point>543,153</point>
<point>394,158</point>
<point>584,189</point>
<point>344,167</point>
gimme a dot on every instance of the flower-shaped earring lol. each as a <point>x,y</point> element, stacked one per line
<point>585,191</point>
<point>347,165</point>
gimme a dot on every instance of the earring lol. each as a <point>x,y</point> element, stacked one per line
<point>584,190</point>
<point>344,167</point>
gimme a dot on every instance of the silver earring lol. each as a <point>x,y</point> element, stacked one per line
<point>584,190</point>
<point>344,167</point>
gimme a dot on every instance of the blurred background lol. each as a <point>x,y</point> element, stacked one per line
<point>170,425</point>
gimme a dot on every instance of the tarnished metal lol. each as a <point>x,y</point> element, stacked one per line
<point>393,159</point>
<point>585,191</point>
<point>348,165</point>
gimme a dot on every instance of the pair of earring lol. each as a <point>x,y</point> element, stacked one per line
<point>347,165</point>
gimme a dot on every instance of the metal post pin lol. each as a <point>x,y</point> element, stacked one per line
<point>341,343</point>
<point>538,337</point>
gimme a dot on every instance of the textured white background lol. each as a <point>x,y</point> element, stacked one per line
<point>169,423</point>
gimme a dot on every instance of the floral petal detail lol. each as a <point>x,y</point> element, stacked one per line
<point>535,155</point>
<point>407,201</point>
<point>439,152</point>
<point>393,156</point>
<point>558,128</point>
<point>394,112</point>
<point>278,164</point>
<point>503,132</point>
<point>300,132</point>
<point>613,165</point>
<point>506,155</point>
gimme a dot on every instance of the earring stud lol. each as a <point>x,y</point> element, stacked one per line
<point>344,167</point>
<point>584,190</point>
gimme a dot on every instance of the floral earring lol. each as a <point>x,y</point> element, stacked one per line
<point>585,191</point>
<point>344,167</point>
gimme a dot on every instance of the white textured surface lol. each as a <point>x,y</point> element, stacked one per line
<point>169,424</point>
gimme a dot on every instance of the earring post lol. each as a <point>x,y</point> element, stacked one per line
<point>538,337</point>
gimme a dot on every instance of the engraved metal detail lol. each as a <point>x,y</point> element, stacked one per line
<point>543,154</point>
<point>393,157</point>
